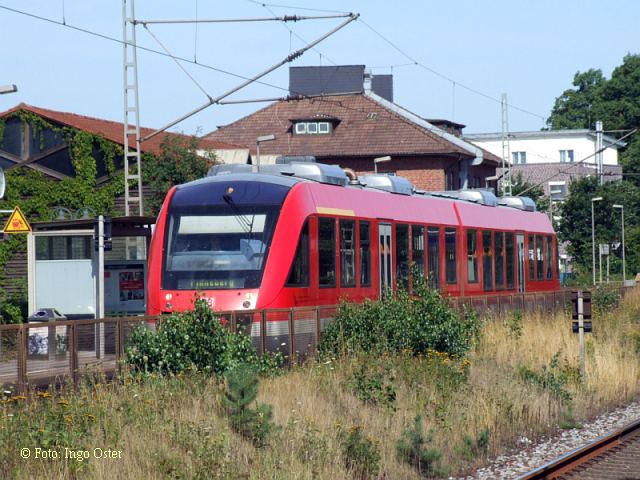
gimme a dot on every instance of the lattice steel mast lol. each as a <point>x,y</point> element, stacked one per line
<point>506,149</point>
<point>132,158</point>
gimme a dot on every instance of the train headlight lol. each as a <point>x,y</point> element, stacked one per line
<point>168,297</point>
<point>246,304</point>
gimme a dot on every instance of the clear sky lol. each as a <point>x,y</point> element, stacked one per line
<point>529,50</point>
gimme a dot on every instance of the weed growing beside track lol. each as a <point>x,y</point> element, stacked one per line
<point>345,416</point>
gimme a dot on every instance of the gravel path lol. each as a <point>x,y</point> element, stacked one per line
<point>531,455</point>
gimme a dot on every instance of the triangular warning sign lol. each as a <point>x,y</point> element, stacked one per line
<point>17,222</point>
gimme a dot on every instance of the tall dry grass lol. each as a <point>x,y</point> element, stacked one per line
<point>177,427</point>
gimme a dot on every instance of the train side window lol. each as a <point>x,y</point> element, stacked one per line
<point>433,258</point>
<point>472,256</point>
<point>417,250</point>
<point>347,253</point>
<point>402,256</point>
<point>540,256</point>
<point>531,259</point>
<point>299,274</point>
<point>510,252</point>
<point>450,254</point>
<point>550,259</point>
<point>487,260</point>
<point>327,252</point>
<point>499,239</point>
<point>365,254</point>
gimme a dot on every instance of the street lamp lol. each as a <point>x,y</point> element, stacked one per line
<point>624,272</point>
<point>593,239</point>
<point>378,160</point>
<point>8,89</point>
<point>259,140</point>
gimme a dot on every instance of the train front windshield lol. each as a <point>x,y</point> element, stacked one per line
<point>218,251</point>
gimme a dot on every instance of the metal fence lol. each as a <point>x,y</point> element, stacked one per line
<point>39,354</point>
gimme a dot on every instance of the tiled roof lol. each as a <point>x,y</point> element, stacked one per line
<point>364,128</point>
<point>108,129</point>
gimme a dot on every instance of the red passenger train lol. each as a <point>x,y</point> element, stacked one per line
<point>303,234</point>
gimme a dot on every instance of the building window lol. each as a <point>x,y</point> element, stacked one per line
<point>365,255</point>
<point>326,252</point>
<point>64,247</point>
<point>566,156</point>
<point>519,158</point>
<point>417,251</point>
<point>450,255</point>
<point>433,259</point>
<point>472,256</point>
<point>402,256</point>
<point>299,274</point>
<point>312,128</point>
<point>487,260</point>
<point>558,191</point>
<point>347,253</point>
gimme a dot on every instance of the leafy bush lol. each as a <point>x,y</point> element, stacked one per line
<point>604,301</point>
<point>553,378</point>
<point>194,340</point>
<point>401,322</point>
<point>474,447</point>
<point>361,454</point>
<point>242,391</point>
<point>412,448</point>
<point>372,386</point>
<point>514,325</point>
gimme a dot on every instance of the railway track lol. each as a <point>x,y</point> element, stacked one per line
<point>615,456</point>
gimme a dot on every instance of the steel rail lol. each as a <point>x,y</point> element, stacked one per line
<point>568,462</point>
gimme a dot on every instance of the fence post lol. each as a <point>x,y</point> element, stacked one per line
<point>118,326</point>
<point>292,338</point>
<point>23,337</point>
<point>317,327</point>
<point>263,331</point>
<point>234,323</point>
<point>73,354</point>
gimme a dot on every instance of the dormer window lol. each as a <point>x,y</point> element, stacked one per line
<point>312,127</point>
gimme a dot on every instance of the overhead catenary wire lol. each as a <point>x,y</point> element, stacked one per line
<point>295,6</point>
<point>287,59</point>
<point>446,77</point>
<point>284,18</point>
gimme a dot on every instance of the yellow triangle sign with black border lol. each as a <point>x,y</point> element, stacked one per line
<point>17,223</point>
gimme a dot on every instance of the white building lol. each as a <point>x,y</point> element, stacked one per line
<point>545,157</point>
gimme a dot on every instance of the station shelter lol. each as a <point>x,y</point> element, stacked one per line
<point>88,269</point>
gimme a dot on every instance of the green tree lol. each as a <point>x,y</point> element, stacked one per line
<point>575,226</point>
<point>180,161</point>
<point>615,101</point>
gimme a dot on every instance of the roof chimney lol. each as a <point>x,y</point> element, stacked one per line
<point>368,80</point>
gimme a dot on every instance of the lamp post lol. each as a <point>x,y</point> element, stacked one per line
<point>8,89</point>
<point>624,268</point>
<point>378,160</point>
<point>259,140</point>
<point>593,239</point>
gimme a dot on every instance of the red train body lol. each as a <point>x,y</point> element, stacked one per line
<point>270,240</point>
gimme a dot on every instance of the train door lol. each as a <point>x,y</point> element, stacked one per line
<point>386,266</point>
<point>521,269</point>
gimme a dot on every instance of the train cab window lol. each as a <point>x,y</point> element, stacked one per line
<point>347,253</point>
<point>417,250</point>
<point>433,257</point>
<point>472,256</point>
<point>299,274</point>
<point>540,257</point>
<point>402,256</point>
<point>327,252</point>
<point>499,239</point>
<point>365,254</point>
<point>510,254</point>
<point>531,258</point>
<point>550,258</point>
<point>450,255</point>
<point>487,260</point>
